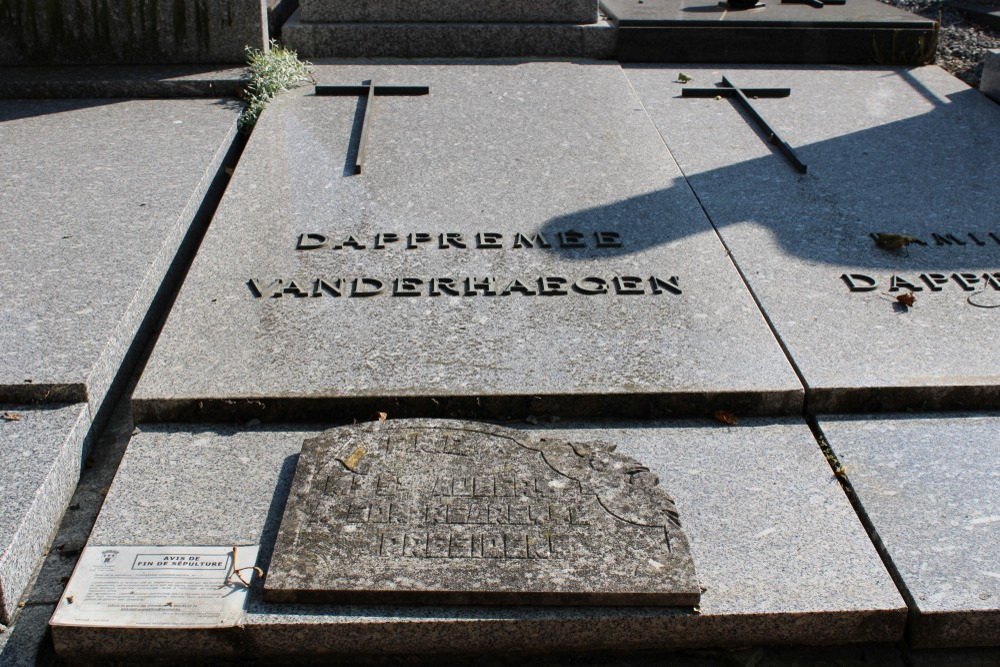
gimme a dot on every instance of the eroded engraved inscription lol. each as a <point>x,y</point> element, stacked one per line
<point>901,243</point>
<point>451,511</point>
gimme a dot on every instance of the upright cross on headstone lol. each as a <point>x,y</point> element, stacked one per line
<point>370,90</point>
<point>742,96</point>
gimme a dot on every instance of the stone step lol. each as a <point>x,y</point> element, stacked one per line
<point>450,11</point>
<point>449,40</point>
<point>88,252</point>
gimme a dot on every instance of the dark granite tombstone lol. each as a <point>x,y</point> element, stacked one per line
<point>433,511</point>
<point>858,32</point>
<point>137,32</point>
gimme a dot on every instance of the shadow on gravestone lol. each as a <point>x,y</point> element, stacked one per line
<point>45,107</point>
<point>851,187</point>
<point>121,81</point>
<point>31,108</point>
<point>275,510</point>
<point>879,270</point>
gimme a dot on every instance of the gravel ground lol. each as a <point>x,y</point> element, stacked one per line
<point>962,44</point>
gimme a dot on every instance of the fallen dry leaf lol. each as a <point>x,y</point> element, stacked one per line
<point>725,417</point>
<point>893,242</point>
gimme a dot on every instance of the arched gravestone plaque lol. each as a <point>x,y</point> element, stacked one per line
<point>434,511</point>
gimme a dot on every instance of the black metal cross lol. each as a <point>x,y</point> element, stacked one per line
<point>369,89</point>
<point>742,95</point>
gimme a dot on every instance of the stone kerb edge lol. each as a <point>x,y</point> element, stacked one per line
<point>991,75</point>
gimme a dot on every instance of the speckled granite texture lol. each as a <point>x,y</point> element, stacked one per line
<point>910,152</point>
<point>40,451</point>
<point>450,40</point>
<point>69,32</point>
<point>498,147</point>
<point>88,241</point>
<point>450,11</point>
<point>781,555</point>
<point>930,486</point>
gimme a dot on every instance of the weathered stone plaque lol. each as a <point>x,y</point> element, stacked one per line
<point>467,513</point>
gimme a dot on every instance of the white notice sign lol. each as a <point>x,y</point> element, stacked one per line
<point>158,587</point>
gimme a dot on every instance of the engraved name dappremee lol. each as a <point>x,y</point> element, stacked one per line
<point>462,512</point>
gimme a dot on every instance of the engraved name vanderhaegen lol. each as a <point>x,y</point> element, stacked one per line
<point>326,285</point>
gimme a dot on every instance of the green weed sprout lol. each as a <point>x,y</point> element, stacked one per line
<point>270,73</point>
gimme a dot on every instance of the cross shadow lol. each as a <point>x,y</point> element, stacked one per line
<point>931,177</point>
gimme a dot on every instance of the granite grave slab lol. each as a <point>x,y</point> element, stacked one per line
<point>929,485</point>
<point>88,243</point>
<point>468,513</point>
<point>879,269</point>
<point>502,253</point>
<point>857,32</point>
<point>749,497</point>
